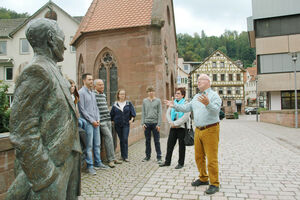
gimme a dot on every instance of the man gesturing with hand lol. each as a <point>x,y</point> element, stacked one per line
<point>206,106</point>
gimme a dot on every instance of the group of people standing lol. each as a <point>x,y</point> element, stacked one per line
<point>205,108</point>
<point>96,119</point>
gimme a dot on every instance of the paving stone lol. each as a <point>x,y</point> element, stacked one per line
<point>286,197</point>
<point>253,164</point>
<point>189,196</point>
<point>153,198</point>
<point>147,193</point>
<point>218,198</point>
<point>138,198</point>
<point>242,195</point>
<point>176,196</point>
<point>159,194</point>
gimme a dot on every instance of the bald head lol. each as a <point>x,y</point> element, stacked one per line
<point>203,82</point>
<point>46,38</point>
<point>99,85</point>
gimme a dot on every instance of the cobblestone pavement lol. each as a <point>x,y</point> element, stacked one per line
<point>256,162</point>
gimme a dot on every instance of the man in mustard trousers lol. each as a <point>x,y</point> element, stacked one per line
<point>206,106</point>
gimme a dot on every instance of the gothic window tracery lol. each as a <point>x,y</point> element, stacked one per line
<point>108,72</point>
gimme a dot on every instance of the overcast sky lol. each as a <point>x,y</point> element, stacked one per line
<point>212,16</point>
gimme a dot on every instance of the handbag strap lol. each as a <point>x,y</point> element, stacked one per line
<point>191,122</point>
<point>185,124</point>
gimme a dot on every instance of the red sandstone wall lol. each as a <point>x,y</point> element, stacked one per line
<point>7,158</point>
<point>281,117</point>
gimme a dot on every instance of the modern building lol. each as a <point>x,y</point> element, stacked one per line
<point>131,45</point>
<point>16,52</point>
<point>227,79</point>
<point>275,33</point>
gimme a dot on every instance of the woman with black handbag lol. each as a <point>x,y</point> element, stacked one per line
<point>177,122</point>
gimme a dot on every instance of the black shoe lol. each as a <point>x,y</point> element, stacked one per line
<point>198,183</point>
<point>212,189</point>
<point>179,166</point>
<point>145,159</point>
<point>164,164</point>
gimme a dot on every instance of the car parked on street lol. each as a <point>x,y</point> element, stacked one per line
<point>250,110</point>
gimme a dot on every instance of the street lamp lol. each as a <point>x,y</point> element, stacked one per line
<point>256,80</point>
<point>294,58</point>
<point>190,86</point>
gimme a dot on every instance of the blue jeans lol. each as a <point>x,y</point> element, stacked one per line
<point>82,123</point>
<point>93,143</point>
<point>156,136</point>
<point>123,133</point>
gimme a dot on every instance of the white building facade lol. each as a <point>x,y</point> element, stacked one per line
<point>227,80</point>
<point>16,52</point>
<point>183,77</point>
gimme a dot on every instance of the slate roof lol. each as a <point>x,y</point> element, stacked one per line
<point>115,14</point>
<point>9,25</point>
<point>78,18</point>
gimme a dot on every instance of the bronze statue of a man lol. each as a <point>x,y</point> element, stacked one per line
<point>43,122</point>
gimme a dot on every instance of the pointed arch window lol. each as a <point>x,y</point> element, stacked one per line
<point>103,76</point>
<point>108,72</point>
<point>80,71</point>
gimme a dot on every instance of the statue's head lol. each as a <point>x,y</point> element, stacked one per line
<point>44,35</point>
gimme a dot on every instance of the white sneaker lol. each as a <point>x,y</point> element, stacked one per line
<point>101,166</point>
<point>91,171</point>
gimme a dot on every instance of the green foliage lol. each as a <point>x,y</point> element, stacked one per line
<point>197,48</point>
<point>236,115</point>
<point>4,108</point>
<point>261,109</point>
<point>10,14</point>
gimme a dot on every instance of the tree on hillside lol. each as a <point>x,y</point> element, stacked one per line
<point>234,45</point>
<point>10,14</point>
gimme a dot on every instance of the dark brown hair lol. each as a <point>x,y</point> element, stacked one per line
<point>150,89</point>
<point>76,94</point>
<point>85,75</point>
<point>182,91</point>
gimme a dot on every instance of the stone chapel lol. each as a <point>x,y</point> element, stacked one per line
<point>129,44</point>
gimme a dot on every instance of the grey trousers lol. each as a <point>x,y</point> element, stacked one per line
<point>106,133</point>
